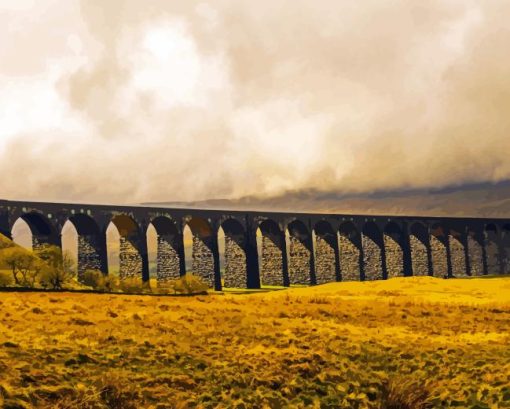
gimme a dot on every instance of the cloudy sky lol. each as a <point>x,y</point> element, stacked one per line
<point>131,101</point>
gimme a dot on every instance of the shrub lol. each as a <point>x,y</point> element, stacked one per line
<point>133,285</point>
<point>6,279</point>
<point>108,283</point>
<point>92,278</point>
<point>190,284</point>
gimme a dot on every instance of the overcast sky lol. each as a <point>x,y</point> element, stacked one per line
<point>135,101</point>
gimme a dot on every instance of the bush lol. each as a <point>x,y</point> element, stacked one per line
<point>133,285</point>
<point>92,278</point>
<point>190,284</point>
<point>6,279</point>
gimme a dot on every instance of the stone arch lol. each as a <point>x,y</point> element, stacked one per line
<point>372,252</point>
<point>325,253</point>
<point>133,262</point>
<point>349,248</point>
<point>204,252</point>
<point>438,250</point>
<point>393,239</point>
<point>505,249</point>
<point>170,251</point>
<point>474,242</point>
<point>456,242</point>
<point>91,251</point>
<point>419,243</point>
<point>491,242</point>
<point>235,275</point>
<point>272,271</point>
<point>300,254</point>
<point>42,230</point>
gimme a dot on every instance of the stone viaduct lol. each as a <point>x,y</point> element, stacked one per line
<point>297,248</point>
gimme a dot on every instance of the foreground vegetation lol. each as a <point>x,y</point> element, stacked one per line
<point>403,343</point>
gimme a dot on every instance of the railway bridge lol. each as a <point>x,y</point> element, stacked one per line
<point>296,248</point>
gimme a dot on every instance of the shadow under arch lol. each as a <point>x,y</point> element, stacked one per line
<point>492,253</point>
<point>91,245</point>
<point>373,263</point>
<point>419,244</point>
<point>438,250</point>
<point>326,246</point>
<point>205,256</point>
<point>349,248</point>
<point>301,269</point>
<point>133,260</point>
<point>235,272</point>
<point>273,269</point>
<point>393,248</point>
<point>42,230</point>
<point>169,250</point>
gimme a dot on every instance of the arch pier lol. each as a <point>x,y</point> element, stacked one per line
<point>269,248</point>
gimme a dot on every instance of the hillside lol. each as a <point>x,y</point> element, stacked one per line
<point>477,200</point>
<point>407,343</point>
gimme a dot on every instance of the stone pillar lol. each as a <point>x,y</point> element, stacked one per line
<point>272,261</point>
<point>475,255</point>
<point>203,264</point>
<point>372,259</point>
<point>439,257</point>
<point>89,255</point>
<point>299,261</point>
<point>350,256</point>
<point>130,259</point>
<point>492,253</point>
<point>505,250</point>
<point>235,262</point>
<point>394,257</point>
<point>419,256</point>
<point>457,256</point>
<point>406,251</point>
<point>168,261</point>
<point>325,260</point>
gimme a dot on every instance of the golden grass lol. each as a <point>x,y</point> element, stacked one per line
<point>401,343</point>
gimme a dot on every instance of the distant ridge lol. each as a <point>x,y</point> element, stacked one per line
<point>469,200</point>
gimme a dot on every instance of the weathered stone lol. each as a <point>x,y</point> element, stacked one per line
<point>394,257</point>
<point>88,256</point>
<point>492,254</point>
<point>235,263</point>
<point>372,259</point>
<point>203,261</point>
<point>457,256</point>
<point>167,261</point>
<point>419,256</point>
<point>439,257</point>
<point>324,261</point>
<point>299,262</point>
<point>130,260</point>
<point>505,251</point>
<point>271,272</point>
<point>349,259</point>
<point>475,253</point>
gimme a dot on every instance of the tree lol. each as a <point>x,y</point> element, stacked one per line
<point>25,266</point>
<point>59,266</point>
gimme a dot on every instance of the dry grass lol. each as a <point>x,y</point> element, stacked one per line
<point>403,343</point>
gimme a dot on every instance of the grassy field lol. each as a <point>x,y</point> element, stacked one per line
<point>401,343</point>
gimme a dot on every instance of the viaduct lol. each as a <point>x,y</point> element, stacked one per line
<point>297,248</point>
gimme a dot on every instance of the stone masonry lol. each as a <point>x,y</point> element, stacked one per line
<point>475,253</point>
<point>324,260</point>
<point>419,256</point>
<point>271,272</point>
<point>492,251</point>
<point>203,263</point>
<point>439,257</point>
<point>394,257</point>
<point>130,260</point>
<point>349,259</point>
<point>235,263</point>
<point>299,262</point>
<point>88,257</point>
<point>167,268</point>
<point>372,259</point>
<point>457,256</point>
